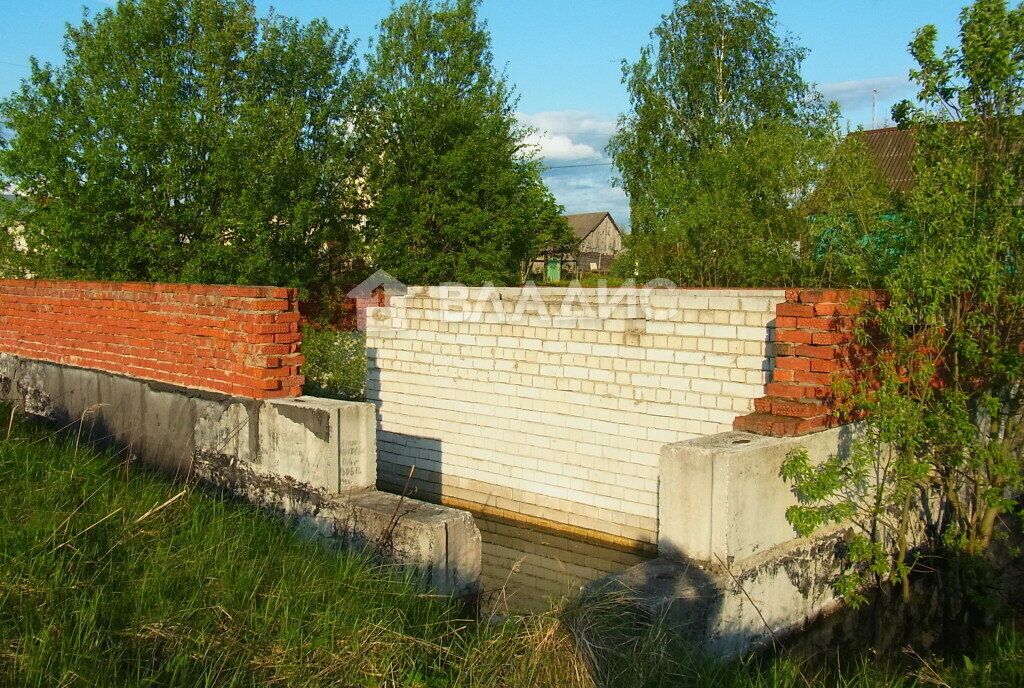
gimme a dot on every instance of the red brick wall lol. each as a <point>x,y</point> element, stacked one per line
<point>813,346</point>
<point>237,340</point>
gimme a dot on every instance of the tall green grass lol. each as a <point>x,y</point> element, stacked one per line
<point>110,575</point>
<point>114,576</point>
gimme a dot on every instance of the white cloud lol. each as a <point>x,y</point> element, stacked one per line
<point>574,123</point>
<point>587,190</point>
<point>560,147</point>
<point>567,130</point>
<point>852,95</point>
<point>578,137</point>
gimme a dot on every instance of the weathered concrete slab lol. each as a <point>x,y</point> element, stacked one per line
<point>441,543</point>
<point>312,459</point>
<point>118,411</point>
<point>79,390</point>
<point>325,443</point>
<point>732,571</point>
<point>445,542</point>
<point>168,436</point>
<point>33,381</point>
<point>8,369</point>
<point>728,611</point>
<point>227,427</point>
<point>722,498</point>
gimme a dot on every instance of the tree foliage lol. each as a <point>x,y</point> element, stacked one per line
<point>945,428</point>
<point>724,140</point>
<point>856,230</point>
<point>185,140</point>
<point>454,193</point>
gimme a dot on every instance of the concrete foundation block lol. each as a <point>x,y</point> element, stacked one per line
<point>227,427</point>
<point>357,423</point>
<point>728,611</point>
<point>732,572</point>
<point>442,543</point>
<point>8,370</point>
<point>120,415</point>
<point>169,436</point>
<point>311,459</point>
<point>324,443</point>
<point>722,498</point>
<point>79,395</point>
<point>38,387</point>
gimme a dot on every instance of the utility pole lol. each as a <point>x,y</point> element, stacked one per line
<point>874,108</point>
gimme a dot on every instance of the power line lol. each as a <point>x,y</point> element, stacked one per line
<point>588,164</point>
<point>13,64</point>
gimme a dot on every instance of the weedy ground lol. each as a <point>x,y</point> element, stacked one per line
<point>111,575</point>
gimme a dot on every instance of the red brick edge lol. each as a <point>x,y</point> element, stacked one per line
<point>242,341</point>
<point>814,344</point>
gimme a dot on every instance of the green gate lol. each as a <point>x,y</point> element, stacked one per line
<point>553,270</point>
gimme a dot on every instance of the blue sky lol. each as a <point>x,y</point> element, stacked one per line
<point>563,56</point>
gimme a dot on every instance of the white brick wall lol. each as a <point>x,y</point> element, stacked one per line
<point>556,412</point>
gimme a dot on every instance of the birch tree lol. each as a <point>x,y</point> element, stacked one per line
<point>723,141</point>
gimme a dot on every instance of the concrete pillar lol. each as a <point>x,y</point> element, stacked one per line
<point>443,544</point>
<point>722,499</point>
<point>325,443</point>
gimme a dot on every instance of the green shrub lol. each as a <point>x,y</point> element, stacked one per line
<point>335,363</point>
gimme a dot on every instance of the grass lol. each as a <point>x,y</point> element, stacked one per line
<point>113,576</point>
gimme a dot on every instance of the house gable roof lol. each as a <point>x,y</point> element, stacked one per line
<point>892,150</point>
<point>583,224</point>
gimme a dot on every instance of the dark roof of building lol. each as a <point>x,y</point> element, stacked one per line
<point>585,223</point>
<point>892,150</point>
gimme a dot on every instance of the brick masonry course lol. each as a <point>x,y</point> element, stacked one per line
<point>815,347</point>
<point>560,415</point>
<point>235,340</point>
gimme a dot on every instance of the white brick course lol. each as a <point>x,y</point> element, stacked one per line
<point>560,413</point>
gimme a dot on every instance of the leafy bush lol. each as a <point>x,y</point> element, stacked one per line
<point>335,363</point>
<point>944,385</point>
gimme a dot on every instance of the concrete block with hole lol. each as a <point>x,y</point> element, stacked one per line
<point>722,498</point>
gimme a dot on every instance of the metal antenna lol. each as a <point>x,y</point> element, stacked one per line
<point>874,107</point>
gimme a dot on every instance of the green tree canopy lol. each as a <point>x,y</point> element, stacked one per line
<point>857,230</point>
<point>724,140</point>
<point>185,140</point>
<point>454,193</point>
<point>946,392</point>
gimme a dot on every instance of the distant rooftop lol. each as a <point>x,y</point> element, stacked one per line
<point>892,150</point>
<point>583,224</point>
